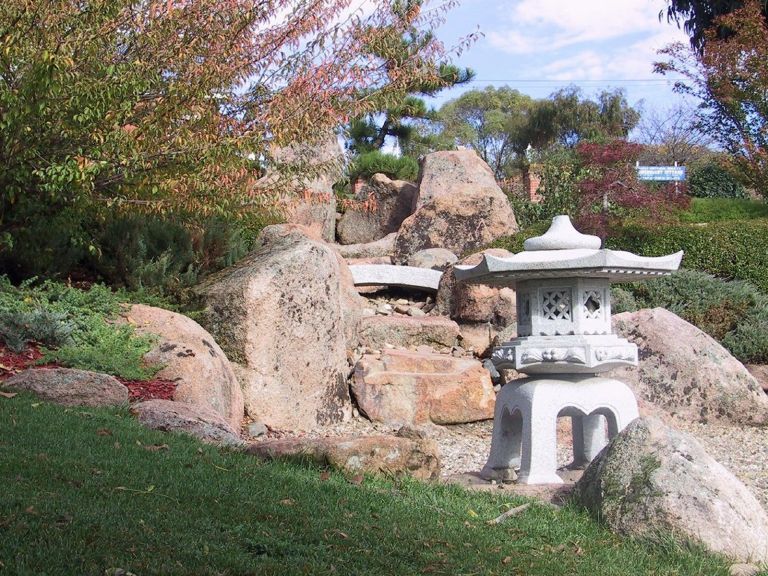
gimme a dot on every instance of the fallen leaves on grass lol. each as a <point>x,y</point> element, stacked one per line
<point>7,394</point>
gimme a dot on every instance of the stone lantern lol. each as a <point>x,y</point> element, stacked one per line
<point>562,280</point>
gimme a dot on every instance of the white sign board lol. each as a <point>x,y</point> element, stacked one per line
<point>661,173</point>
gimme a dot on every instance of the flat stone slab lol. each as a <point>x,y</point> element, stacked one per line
<point>402,387</point>
<point>391,275</point>
<point>404,331</point>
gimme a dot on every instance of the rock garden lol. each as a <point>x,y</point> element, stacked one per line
<point>366,355</point>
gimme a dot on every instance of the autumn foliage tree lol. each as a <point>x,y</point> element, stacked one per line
<point>609,191</point>
<point>169,106</point>
<point>730,78</point>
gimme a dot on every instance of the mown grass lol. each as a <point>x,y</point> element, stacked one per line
<point>716,209</point>
<point>90,491</point>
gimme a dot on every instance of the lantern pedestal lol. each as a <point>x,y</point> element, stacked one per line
<point>525,424</point>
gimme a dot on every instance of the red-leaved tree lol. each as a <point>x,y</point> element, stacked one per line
<point>730,78</point>
<point>610,192</point>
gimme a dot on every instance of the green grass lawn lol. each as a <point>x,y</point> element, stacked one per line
<point>715,209</point>
<point>89,491</point>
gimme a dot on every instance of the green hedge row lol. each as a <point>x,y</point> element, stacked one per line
<point>734,249</point>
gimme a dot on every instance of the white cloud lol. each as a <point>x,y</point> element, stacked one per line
<point>633,61</point>
<point>549,25</point>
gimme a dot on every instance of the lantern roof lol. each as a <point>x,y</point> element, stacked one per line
<point>563,252</point>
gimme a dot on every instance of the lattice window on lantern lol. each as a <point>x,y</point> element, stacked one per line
<point>556,305</point>
<point>593,305</point>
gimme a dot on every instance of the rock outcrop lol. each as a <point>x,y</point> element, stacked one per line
<point>192,359</point>
<point>381,207</point>
<point>381,248</point>
<point>452,173</point>
<point>198,421</point>
<point>390,455</point>
<point>651,477</point>
<point>460,207</point>
<point>280,314</point>
<point>310,200</point>
<point>401,387</point>
<point>70,387</point>
<point>405,332</point>
<point>686,373</point>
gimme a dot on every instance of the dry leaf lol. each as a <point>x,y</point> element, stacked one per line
<point>8,394</point>
<point>104,432</point>
<point>343,536</point>
<point>325,476</point>
<point>356,479</point>
<point>506,560</point>
<point>156,447</point>
<point>288,502</point>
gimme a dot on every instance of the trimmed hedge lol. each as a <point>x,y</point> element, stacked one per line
<point>733,249</point>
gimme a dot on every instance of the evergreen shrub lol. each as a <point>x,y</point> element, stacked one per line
<point>712,180</point>
<point>735,313</point>
<point>74,327</point>
<point>395,167</point>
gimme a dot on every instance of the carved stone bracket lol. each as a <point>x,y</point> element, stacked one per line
<point>565,354</point>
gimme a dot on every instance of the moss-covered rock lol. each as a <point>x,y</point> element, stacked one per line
<point>652,479</point>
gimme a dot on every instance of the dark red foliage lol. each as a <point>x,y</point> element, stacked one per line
<point>612,192</point>
<point>14,362</point>
<point>610,154</point>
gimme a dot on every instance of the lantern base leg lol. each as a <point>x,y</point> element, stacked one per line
<point>525,424</point>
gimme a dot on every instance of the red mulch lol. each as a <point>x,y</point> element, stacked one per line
<point>12,363</point>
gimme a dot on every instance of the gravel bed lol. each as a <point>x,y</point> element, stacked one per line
<point>464,447</point>
<point>743,450</point>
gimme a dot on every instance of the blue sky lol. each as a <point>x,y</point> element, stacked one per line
<point>538,46</point>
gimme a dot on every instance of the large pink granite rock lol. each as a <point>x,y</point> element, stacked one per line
<point>198,421</point>
<point>405,331</point>
<point>401,387</point>
<point>281,313</point>
<point>460,207</point>
<point>653,477</point>
<point>687,374</point>
<point>451,173</point>
<point>191,358</point>
<point>465,302</point>
<point>382,206</point>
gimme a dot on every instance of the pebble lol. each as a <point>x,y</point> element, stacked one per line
<point>416,312</point>
<point>256,429</point>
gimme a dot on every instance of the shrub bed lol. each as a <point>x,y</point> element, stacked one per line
<point>733,313</point>
<point>72,327</point>
<point>734,249</point>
